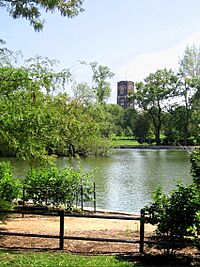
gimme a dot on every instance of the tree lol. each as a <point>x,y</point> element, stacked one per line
<point>153,94</point>
<point>195,126</point>
<point>174,123</point>
<point>42,70</point>
<point>30,10</point>
<point>141,128</point>
<point>189,84</point>
<point>195,166</point>
<point>190,63</point>
<point>116,118</point>
<point>83,93</point>
<point>7,56</point>
<point>28,119</point>
<point>101,85</point>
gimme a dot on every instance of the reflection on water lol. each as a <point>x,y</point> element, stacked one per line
<point>125,180</point>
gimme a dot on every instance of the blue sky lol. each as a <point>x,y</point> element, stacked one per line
<point>132,37</point>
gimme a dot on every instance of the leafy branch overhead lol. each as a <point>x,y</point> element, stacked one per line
<point>31,10</point>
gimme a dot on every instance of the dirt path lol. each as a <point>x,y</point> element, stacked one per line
<point>91,227</point>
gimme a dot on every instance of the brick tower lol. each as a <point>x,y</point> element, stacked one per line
<point>124,88</point>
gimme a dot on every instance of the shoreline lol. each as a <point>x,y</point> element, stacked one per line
<point>188,148</point>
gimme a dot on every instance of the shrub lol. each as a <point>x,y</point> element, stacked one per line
<point>9,186</point>
<point>177,215</point>
<point>53,186</point>
<point>195,166</point>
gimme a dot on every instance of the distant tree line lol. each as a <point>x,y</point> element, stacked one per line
<point>166,105</point>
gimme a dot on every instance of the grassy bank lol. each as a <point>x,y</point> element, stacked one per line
<point>125,142</point>
<point>51,259</point>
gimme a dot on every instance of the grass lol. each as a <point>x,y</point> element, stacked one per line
<point>125,142</point>
<point>12,258</point>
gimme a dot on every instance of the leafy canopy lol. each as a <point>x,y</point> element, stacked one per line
<point>31,10</point>
<point>153,96</point>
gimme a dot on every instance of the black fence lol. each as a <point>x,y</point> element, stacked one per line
<point>62,237</point>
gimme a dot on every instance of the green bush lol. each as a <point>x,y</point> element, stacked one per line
<point>195,166</point>
<point>55,187</point>
<point>9,186</point>
<point>177,215</point>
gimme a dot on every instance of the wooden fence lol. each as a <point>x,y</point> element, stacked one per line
<point>62,237</point>
<point>141,241</point>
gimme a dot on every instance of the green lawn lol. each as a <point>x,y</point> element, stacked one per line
<point>53,259</point>
<point>126,142</point>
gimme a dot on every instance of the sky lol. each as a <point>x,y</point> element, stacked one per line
<point>132,37</point>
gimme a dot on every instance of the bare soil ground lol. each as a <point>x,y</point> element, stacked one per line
<point>86,227</point>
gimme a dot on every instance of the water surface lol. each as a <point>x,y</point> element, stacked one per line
<point>127,178</point>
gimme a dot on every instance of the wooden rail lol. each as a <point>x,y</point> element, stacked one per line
<point>62,237</point>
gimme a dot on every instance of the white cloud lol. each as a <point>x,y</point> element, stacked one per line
<point>137,68</point>
<point>140,66</point>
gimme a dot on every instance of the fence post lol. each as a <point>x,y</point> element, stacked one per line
<point>142,214</point>
<point>95,203</point>
<point>62,218</point>
<point>82,197</point>
<point>23,201</point>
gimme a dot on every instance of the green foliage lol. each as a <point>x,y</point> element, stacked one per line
<point>153,94</point>
<point>56,187</point>
<point>115,116</point>
<point>101,85</point>
<point>176,215</point>
<point>195,166</point>
<point>7,56</point>
<point>190,63</point>
<point>195,124</point>
<point>141,128</point>
<point>42,71</point>
<point>174,125</point>
<point>83,93</point>
<point>189,85</point>
<point>9,187</point>
<point>35,125</point>
<point>30,10</point>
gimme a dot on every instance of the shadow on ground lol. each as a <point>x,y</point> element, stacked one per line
<point>161,260</point>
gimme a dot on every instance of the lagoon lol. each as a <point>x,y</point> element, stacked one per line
<point>127,178</point>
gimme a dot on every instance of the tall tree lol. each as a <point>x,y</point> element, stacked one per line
<point>31,10</point>
<point>189,85</point>
<point>190,63</point>
<point>42,69</point>
<point>153,94</point>
<point>28,120</point>
<point>101,85</point>
<point>83,93</point>
<point>7,56</point>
